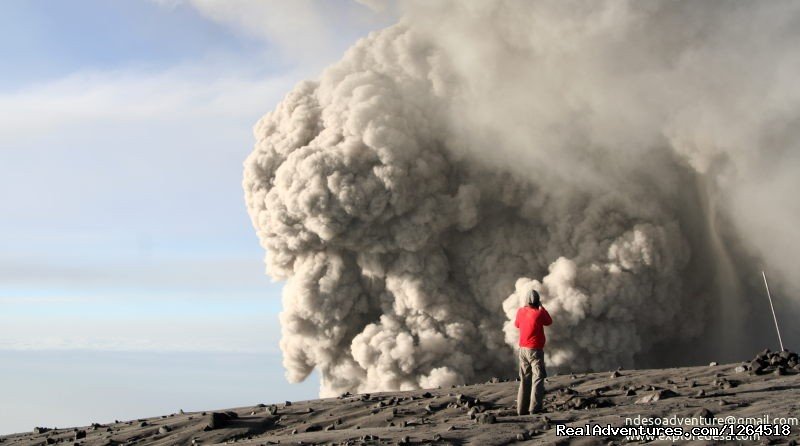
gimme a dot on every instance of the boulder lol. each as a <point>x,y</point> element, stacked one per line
<point>485,418</point>
<point>217,420</point>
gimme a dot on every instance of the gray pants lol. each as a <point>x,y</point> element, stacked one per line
<point>531,371</point>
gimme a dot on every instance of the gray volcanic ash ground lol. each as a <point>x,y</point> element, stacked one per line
<point>634,161</point>
<point>480,414</point>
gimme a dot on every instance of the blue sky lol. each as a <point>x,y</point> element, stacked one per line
<point>123,235</point>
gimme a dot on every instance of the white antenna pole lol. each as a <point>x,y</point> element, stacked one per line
<point>764,275</point>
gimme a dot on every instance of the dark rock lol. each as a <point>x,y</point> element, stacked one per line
<point>50,440</point>
<point>80,434</point>
<point>426,395</point>
<point>437,437</point>
<point>780,370</point>
<point>287,404</point>
<point>451,428</point>
<point>143,424</point>
<point>615,374</point>
<point>40,430</point>
<point>485,418</point>
<point>272,409</point>
<point>630,392</point>
<point>405,440</point>
<point>164,429</point>
<point>310,410</point>
<point>700,393</point>
<point>521,437</point>
<point>312,428</point>
<point>216,420</point>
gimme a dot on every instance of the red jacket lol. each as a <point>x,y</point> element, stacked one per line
<point>531,322</point>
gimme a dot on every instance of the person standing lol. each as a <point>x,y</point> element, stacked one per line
<point>531,320</point>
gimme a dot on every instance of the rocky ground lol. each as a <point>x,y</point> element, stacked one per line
<point>481,414</point>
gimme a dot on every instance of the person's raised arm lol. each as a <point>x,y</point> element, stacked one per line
<point>546,319</point>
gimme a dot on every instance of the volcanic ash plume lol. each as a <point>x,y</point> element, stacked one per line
<point>600,152</point>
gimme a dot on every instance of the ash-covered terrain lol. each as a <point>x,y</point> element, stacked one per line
<point>479,414</point>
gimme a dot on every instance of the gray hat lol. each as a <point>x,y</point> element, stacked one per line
<point>533,298</point>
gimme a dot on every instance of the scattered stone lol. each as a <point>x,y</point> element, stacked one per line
<point>630,392</point>
<point>312,428</point>
<point>143,424</point>
<point>310,410</point>
<point>287,404</point>
<point>485,418</point>
<point>80,434</point>
<point>330,427</point>
<point>780,370</point>
<point>521,437</point>
<point>713,364</point>
<point>272,409</point>
<point>40,430</point>
<point>615,374</point>
<point>656,396</point>
<point>405,440</point>
<point>164,429</point>
<point>294,431</point>
<point>700,393</point>
<point>426,395</point>
<point>740,369</point>
<point>704,414</point>
<point>451,428</point>
<point>437,437</point>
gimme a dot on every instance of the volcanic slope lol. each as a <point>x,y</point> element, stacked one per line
<point>480,414</point>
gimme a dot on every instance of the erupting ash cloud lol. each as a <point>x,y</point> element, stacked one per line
<point>634,161</point>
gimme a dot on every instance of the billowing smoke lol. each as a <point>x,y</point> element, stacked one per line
<point>634,161</point>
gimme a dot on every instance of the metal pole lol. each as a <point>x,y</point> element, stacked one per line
<point>773,310</point>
